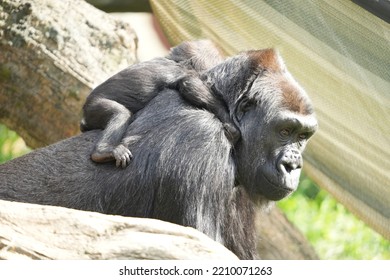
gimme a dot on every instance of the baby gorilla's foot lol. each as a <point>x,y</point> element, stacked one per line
<point>101,157</point>
<point>122,156</point>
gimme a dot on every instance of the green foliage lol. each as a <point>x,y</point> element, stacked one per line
<point>11,145</point>
<point>332,230</point>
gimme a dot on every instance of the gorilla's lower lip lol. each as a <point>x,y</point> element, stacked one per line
<point>280,187</point>
<point>274,191</point>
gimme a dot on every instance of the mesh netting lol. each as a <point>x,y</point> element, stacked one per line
<point>340,53</point>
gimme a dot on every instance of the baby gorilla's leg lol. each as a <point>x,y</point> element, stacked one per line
<point>117,118</point>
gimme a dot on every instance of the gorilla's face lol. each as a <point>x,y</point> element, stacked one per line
<point>273,168</point>
<point>276,120</point>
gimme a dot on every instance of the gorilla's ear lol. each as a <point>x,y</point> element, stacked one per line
<point>260,62</point>
<point>243,105</point>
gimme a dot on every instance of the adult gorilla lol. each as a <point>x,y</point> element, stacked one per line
<point>184,169</point>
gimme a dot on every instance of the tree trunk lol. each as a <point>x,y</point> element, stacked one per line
<point>48,65</point>
<point>278,239</point>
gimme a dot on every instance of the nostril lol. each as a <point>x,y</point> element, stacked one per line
<point>288,167</point>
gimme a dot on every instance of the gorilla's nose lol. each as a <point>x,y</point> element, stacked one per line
<point>291,160</point>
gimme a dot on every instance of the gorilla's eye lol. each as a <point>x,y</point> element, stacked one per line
<point>285,132</point>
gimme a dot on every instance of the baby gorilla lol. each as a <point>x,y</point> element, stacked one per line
<point>111,105</point>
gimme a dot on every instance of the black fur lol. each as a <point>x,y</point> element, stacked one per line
<point>182,164</point>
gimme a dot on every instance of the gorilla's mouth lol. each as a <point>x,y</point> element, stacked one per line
<point>288,175</point>
<point>275,191</point>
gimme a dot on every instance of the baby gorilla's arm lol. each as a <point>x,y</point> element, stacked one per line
<point>197,93</point>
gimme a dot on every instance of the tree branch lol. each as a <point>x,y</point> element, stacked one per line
<point>49,63</point>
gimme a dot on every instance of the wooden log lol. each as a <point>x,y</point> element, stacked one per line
<point>31,231</point>
<point>278,239</point>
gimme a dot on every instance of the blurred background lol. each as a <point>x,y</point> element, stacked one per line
<point>348,67</point>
